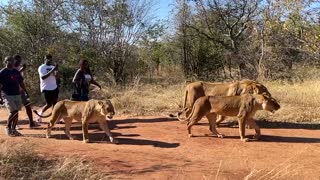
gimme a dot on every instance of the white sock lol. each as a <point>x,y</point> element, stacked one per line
<point>40,119</point>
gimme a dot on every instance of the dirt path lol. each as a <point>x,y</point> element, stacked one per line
<point>159,148</point>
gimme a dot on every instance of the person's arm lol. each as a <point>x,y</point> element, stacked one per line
<point>45,76</point>
<point>58,80</point>
<point>22,68</point>
<point>1,100</point>
<point>76,77</point>
<point>95,82</point>
<point>23,86</point>
<point>21,83</point>
<point>77,80</point>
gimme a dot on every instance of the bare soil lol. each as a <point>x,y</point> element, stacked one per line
<point>157,147</point>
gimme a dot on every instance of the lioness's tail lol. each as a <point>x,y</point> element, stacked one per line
<point>42,116</point>
<point>188,117</point>
<point>184,106</point>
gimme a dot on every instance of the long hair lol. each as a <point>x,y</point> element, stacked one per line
<point>83,67</point>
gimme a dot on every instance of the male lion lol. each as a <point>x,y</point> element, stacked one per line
<point>86,112</point>
<point>198,89</point>
<point>244,107</point>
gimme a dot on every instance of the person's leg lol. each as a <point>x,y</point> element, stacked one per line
<point>30,116</point>
<point>18,102</point>
<point>14,124</point>
<point>44,108</point>
<point>12,109</point>
<point>55,97</point>
<point>48,99</point>
<point>27,105</point>
<point>11,120</point>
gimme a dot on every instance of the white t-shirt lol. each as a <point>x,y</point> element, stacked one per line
<point>88,78</point>
<point>50,83</point>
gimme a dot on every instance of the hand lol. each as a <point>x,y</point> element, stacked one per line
<point>56,67</point>
<point>1,101</point>
<point>26,94</point>
<point>24,66</point>
<point>100,87</point>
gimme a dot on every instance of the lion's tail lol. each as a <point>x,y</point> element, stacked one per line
<point>42,116</point>
<point>188,117</point>
<point>185,110</point>
<point>184,107</point>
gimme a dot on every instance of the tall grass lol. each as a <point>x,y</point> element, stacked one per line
<point>299,102</point>
<point>19,161</point>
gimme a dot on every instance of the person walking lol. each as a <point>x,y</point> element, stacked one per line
<point>11,81</point>
<point>48,83</point>
<point>24,95</point>
<point>81,81</point>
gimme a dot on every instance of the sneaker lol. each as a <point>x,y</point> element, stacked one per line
<point>33,125</point>
<point>17,127</point>
<point>8,131</point>
<point>16,133</point>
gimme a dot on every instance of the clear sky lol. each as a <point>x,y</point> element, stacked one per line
<point>163,8</point>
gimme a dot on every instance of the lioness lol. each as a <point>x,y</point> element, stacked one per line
<point>198,89</point>
<point>86,112</point>
<point>243,106</point>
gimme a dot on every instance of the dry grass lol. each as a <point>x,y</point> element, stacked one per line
<point>146,99</point>
<point>299,102</point>
<point>19,161</point>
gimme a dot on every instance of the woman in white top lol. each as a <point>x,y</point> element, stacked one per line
<point>82,80</point>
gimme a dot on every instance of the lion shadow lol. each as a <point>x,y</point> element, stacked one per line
<point>280,139</point>
<point>287,125</point>
<point>271,125</point>
<point>144,120</point>
<point>75,126</point>
<point>100,137</point>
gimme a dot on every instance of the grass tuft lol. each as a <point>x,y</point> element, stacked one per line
<point>19,161</point>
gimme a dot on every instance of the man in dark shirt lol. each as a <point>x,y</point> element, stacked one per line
<point>11,81</point>
<point>24,94</point>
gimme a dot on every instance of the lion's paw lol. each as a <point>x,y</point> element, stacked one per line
<point>190,135</point>
<point>220,135</point>
<point>86,141</point>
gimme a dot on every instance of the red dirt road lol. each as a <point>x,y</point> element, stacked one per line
<point>159,148</point>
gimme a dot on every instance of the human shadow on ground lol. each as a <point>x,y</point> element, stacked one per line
<point>20,122</point>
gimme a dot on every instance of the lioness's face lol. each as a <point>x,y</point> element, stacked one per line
<point>107,109</point>
<point>269,103</point>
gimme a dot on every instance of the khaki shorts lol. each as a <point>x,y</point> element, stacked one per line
<point>13,103</point>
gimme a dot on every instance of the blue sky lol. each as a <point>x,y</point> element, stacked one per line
<point>163,8</point>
